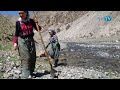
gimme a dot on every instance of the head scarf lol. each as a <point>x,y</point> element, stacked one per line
<point>53,31</point>
<point>26,20</point>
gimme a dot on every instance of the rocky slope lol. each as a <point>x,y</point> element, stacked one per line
<point>91,25</point>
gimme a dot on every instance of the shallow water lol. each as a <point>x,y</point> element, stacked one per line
<point>100,56</point>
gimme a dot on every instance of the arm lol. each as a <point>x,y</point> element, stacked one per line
<point>47,45</point>
<point>56,42</point>
<point>15,40</point>
<point>51,40</point>
<point>54,39</point>
<point>34,25</point>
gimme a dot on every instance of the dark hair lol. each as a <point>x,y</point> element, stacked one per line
<point>27,13</point>
<point>53,32</point>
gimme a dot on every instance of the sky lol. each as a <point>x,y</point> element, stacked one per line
<point>9,12</point>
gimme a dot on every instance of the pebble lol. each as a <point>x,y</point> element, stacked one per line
<point>17,71</point>
<point>66,72</point>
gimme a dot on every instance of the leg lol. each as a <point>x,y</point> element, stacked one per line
<point>56,56</point>
<point>55,64</point>
<point>25,57</point>
<point>25,69</point>
<point>33,59</point>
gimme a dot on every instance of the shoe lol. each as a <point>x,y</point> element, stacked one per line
<point>55,65</point>
<point>29,77</point>
<point>33,75</point>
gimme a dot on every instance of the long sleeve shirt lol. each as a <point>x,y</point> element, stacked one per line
<point>19,30</point>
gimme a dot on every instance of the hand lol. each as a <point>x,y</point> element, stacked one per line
<point>36,20</point>
<point>15,46</point>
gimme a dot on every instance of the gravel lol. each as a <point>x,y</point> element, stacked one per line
<point>78,73</point>
<point>64,72</point>
<point>11,69</point>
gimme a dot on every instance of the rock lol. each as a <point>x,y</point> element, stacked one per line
<point>91,34</point>
<point>67,27</point>
<point>72,50</point>
<point>14,68</point>
<point>58,30</point>
<point>117,41</point>
<point>1,66</point>
<point>17,64</point>
<point>16,76</point>
<point>17,71</point>
<point>10,76</point>
<point>8,69</point>
<point>6,75</point>
<point>12,63</point>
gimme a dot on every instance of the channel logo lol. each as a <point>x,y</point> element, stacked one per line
<point>105,18</point>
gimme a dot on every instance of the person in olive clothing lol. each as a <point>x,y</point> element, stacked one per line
<point>24,42</point>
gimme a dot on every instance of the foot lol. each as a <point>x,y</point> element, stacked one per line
<point>29,77</point>
<point>33,75</point>
<point>55,65</point>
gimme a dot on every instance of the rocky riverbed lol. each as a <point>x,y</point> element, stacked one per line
<point>77,61</point>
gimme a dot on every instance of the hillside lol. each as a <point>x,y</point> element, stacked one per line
<point>6,29</point>
<point>93,26</point>
<point>88,25</point>
<point>78,25</point>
